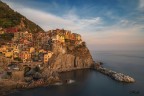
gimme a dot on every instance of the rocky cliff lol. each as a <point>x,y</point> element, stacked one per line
<point>70,56</point>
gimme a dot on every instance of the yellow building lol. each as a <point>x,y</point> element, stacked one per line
<point>9,54</point>
<point>1,32</point>
<point>16,49</point>
<point>55,37</point>
<point>79,37</point>
<point>62,39</point>
<point>25,56</point>
<point>67,34</point>
<point>42,51</point>
<point>47,56</point>
<point>32,49</point>
<point>3,49</point>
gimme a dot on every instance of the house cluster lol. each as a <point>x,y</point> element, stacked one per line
<point>41,38</point>
<point>63,36</point>
<point>14,52</point>
<point>23,48</point>
<point>27,47</point>
<point>8,30</point>
<point>24,38</point>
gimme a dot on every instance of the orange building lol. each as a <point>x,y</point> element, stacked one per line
<point>25,56</point>
<point>47,56</point>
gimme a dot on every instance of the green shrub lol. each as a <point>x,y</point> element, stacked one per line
<point>18,59</point>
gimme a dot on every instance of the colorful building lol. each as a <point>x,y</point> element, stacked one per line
<point>23,35</point>
<point>9,54</point>
<point>47,56</point>
<point>28,36</point>
<point>25,56</point>
<point>3,49</point>
<point>61,38</point>
<point>32,49</point>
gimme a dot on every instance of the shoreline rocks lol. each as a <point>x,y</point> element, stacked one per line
<point>53,79</point>
<point>114,75</point>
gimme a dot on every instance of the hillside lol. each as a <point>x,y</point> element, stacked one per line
<point>12,21</point>
<point>36,57</point>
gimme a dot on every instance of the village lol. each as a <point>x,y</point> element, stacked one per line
<point>27,49</point>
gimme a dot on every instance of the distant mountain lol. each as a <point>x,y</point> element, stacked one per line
<point>12,21</point>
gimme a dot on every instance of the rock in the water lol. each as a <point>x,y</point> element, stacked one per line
<point>123,78</point>
<point>114,75</point>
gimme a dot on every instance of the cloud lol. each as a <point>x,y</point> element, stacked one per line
<point>141,4</point>
<point>124,22</point>
<point>115,37</point>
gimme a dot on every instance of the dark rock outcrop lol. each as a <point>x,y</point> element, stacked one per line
<point>114,75</point>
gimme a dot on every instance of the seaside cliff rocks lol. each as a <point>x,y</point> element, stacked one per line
<point>114,75</point>
<point>43,57</point>
<point>73,57</point>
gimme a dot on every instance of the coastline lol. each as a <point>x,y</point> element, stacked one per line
<point>120,77</point>
<point>8,86</point>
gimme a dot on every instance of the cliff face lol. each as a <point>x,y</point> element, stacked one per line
<point>67,62</point>
<point>70,56</point>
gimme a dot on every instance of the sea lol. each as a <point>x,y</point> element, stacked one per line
<point>92,83</point>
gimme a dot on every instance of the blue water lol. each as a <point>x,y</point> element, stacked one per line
<point>92,83</point>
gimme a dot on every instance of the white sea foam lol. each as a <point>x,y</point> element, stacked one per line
<point>58,83</point>
<point>71,81</point>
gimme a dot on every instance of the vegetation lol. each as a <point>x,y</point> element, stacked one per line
<point>9,18</point>
<point>18,59</point>
<point>6,37</point>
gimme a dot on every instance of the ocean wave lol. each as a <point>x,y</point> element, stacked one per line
<point>58,83</point>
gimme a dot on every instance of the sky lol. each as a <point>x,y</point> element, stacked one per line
<point>103,24</point>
